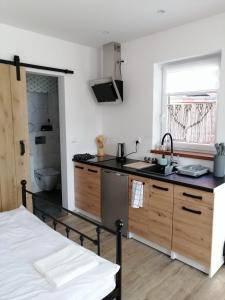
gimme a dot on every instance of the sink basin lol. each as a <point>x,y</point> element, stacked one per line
<point>161,170</point>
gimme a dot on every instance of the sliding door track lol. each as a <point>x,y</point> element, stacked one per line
<point>17,63</point>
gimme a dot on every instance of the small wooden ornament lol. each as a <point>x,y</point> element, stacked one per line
<point>100,141</point>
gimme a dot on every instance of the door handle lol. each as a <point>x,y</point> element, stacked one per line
<point>197,212</point>
<point>93,171</point>
<point>160,187</point>
<point>192,196</point>
<point>22,148</point>
<point>78,167</point>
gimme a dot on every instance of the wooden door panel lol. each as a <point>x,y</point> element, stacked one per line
<point>8,198</point>
<point>88,188</point>
<point>161,213</point>
<point>192,229</point>
<point>20,128</point>
<point>138,217</point>
<point>93,190</point>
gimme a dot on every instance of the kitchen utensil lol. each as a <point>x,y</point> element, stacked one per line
<point>223,149</point>
<point>217,148</point>
<point>220,146</point>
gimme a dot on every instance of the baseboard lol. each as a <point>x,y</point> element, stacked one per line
<point>149,243</point>
<point>173,255</point>
<point>189,262</point>
<point>85,214</point>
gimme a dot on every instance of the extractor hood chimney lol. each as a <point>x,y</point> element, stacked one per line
<point>109,88</point>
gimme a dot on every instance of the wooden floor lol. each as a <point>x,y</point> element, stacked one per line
<point>151,275</point>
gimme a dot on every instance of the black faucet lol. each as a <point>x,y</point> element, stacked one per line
<point>171,144</point>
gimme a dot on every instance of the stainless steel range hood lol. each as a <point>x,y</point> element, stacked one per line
<point>109,88</point>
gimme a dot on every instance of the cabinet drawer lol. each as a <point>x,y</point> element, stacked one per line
<point>192,230</point>
<point>138,217</point>
<point>193,195</point>
<point>160,213</point>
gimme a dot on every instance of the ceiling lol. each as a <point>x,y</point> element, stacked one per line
<point>95,22</point>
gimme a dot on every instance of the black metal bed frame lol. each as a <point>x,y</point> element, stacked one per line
<point>117,292</point>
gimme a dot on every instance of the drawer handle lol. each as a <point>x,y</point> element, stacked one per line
<point>78,167</point>
<point>138,180</point>
<point>93,171</point>
<point>160,187</point>
<point>192,196</point>
<point>197,212</point>
<point>22,148</point>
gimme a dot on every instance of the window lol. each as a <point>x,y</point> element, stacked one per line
<point>190,93</point>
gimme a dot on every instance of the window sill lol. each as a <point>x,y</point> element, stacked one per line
<point>187,154</point>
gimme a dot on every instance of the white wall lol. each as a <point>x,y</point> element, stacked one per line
<point>135,117</point>
<point>80,116</point>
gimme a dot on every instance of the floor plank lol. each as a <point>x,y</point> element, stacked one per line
<point>151,275</point>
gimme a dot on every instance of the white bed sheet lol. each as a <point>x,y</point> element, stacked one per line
<point>25,239</point>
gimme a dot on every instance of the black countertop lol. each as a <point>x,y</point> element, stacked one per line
<point>206,182</point>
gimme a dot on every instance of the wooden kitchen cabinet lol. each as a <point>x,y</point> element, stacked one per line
<point>88,189</point>
<point>192,224</point>
<point>160,213</point>
<point>138,217</point>
<point>186,223</point>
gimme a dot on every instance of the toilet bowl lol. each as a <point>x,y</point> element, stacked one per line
<point>46,178</point>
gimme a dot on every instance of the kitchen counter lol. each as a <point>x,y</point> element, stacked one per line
<point>180,215</point>
<point>206,182</point>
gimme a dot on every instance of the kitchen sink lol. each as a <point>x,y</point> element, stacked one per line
<point>160,170</point>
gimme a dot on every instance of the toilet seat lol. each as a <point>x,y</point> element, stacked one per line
<point>46,178</point>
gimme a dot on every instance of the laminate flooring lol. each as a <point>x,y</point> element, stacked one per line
<point>150,275</point>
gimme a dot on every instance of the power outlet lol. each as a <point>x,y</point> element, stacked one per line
<point>138,140</point>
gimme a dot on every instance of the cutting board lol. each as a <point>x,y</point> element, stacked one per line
<point>138,165</point>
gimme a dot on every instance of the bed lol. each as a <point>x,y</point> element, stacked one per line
<point>24,239</point>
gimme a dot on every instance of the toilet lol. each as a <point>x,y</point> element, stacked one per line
<point>46,178</point>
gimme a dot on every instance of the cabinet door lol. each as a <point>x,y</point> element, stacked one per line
<point>160,213</point>
<point>192,224</point>
<point>138,217</point>
<point>88,188</point>
<point>8,195</point>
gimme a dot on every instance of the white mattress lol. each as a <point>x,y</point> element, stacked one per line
<point>23,240</point>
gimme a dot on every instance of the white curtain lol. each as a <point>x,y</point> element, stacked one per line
<point>192,122</point>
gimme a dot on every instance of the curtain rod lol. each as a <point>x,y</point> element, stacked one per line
<point>16,62</point>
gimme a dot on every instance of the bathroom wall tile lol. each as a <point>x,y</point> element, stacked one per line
<point>43,105</point>
<point>40,83</point>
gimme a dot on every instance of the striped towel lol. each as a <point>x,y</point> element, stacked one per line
<point>137,194</point>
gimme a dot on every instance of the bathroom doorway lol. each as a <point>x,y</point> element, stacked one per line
<point>44,137</point>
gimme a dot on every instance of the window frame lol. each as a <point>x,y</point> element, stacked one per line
<point>208,148</point>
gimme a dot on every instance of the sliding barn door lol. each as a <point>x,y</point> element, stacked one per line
<point>14,148</point>
<point>8,191</point>
<point>20,129</point>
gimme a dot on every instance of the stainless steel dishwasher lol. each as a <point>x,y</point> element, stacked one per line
<point>114,198</point>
